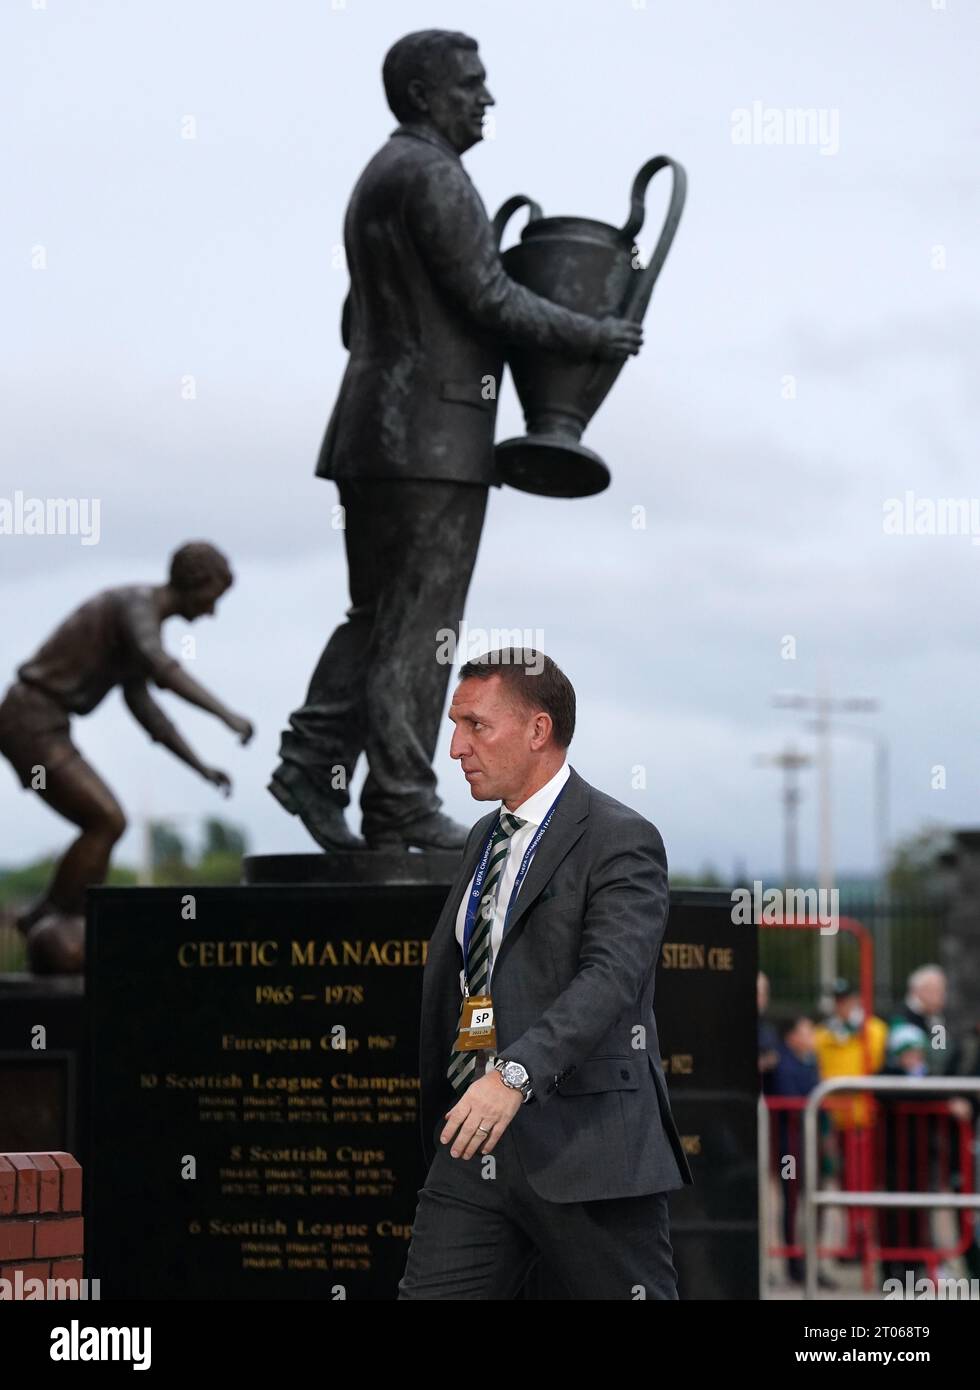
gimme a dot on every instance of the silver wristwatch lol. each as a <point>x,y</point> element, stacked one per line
<point>515,1076</point>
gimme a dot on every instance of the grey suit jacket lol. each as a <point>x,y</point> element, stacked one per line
<point>573,1001</point>
<point>429,313</point>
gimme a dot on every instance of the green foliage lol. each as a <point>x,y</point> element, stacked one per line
<point>707,878</point>
<point>168,853</point>
<point>219,863</point>
<point>13,952</point>
<point>914,867</point>
<point>220,838</point>
<point>210,868</point>
<point>25,883</point>
<point>220,860</point>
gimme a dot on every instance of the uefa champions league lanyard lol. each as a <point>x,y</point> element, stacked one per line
<point>478,877</point>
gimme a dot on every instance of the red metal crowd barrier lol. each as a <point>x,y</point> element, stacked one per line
<point>915,1155</point>
<point>912,1146</point>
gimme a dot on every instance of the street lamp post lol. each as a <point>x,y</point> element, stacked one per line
<point>824,705</point>
<point>790,762</point>
<point>883,943</point>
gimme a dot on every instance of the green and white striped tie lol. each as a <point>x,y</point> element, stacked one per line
<point>462,1065</point>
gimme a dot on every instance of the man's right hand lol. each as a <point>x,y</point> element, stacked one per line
<point>618,338</point>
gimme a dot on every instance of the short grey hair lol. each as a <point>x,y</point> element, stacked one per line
<point>421,55</point>
<point>925,972</point>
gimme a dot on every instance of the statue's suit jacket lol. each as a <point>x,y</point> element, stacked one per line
<point>572,990</point>
<point>429,313</point>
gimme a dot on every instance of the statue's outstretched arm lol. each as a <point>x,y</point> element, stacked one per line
<point>147,712</point>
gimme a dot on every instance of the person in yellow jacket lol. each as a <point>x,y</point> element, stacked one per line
<point>850,1044</point>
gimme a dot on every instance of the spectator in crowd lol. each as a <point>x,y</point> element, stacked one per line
<point>795,1072</point>
<point>850,1044</point>
<point>794,1075</point>
<point>919,1044</point>
<point>925,1002</point>
<point>769,1041</point>
<point>907,1048</point>
<point>908,1045</point>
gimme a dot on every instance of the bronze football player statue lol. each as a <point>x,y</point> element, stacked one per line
<point>113,639</point>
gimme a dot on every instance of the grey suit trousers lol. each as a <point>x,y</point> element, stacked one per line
<point>478,1236</point>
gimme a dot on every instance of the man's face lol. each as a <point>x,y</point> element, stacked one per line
<point>492,738</point>
<point>848,1007</point>
<point>802,1039</point>
<point>458,99</point>
<point>932,993</point>
<point>196,603</point>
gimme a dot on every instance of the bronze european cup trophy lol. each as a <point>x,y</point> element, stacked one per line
<point>591,267</point>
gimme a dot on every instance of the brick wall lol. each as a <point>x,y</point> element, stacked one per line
<point>41,1223</point>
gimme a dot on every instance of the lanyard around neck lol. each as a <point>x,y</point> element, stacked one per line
<point>481,869</point>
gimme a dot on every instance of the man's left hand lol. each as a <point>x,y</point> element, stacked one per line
<point>487,1102</point>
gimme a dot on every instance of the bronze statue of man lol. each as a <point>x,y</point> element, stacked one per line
<point>113,639</point>
<point>410,447</point>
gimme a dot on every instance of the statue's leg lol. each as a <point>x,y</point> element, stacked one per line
<point>35,738</point>
<point>319,750</point>
<point>426,536</point>
<point>76,791</point>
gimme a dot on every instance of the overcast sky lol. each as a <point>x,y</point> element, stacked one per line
<point>811,352</point>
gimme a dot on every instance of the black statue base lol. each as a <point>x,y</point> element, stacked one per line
<point>397,868</point>
<point>254,1087</point>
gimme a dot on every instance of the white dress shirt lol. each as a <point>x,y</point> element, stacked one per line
<point>533,811</point>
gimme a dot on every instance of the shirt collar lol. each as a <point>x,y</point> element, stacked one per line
<point>423,132</point>
<point>536,807</point>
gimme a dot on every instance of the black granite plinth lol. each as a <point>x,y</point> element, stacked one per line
<point>255,1089</point>
<point>707,1022</point>
<point>392,867</point>
<point>243,1147</point>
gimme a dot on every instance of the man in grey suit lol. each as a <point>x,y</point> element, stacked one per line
<point>555,1140</point>
<point>410,446</point>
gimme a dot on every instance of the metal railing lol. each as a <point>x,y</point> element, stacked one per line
<point>813,1199</point>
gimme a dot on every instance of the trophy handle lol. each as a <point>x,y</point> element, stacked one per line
<point>638,295</point>
<point>506,212</point>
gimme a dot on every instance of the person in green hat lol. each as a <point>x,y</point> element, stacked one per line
<point>907,1046</point>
